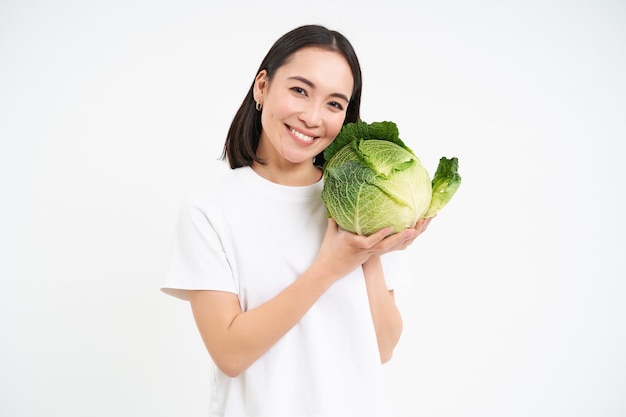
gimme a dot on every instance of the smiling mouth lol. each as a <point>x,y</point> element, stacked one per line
<point>301,136</point>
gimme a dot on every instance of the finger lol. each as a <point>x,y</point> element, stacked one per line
<point>370,241</point>
<point>380,235</point>
<point>395,240</point>
<point>422,224</point>
<point>427,223</point>
<point>332,224</point>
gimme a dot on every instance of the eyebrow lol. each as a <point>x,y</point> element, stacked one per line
<point>312,85</point>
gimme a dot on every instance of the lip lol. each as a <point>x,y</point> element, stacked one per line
<point>298,135</point>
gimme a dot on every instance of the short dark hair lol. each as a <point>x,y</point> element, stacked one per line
<point>243,135</point>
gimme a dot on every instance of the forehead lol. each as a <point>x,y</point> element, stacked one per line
<point>324,67</point>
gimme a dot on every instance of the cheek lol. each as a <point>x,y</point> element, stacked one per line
<point>271,115</point>
<point>335,126</point>
<point>277,110</point>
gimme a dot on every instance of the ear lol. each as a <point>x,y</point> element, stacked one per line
<point>260,86</point>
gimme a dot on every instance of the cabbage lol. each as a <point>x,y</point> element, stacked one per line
<point>372,180</point>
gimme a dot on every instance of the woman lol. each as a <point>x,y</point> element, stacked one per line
<point>296,313</point>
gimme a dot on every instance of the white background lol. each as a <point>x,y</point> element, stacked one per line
<point>111,111</point>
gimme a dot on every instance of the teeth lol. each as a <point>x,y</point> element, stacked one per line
<point>302,136</point>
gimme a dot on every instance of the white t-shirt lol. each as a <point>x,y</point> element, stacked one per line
<point>252,237</point>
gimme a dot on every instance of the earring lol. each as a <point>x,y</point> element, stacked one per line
<point>258,106</point>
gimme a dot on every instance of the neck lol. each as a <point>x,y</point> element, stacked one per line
<point>293,175</point>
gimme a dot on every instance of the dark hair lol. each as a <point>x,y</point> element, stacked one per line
<point>243,135</point>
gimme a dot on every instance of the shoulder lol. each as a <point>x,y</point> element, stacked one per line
<point>219,189</point>
<point>216,198</point>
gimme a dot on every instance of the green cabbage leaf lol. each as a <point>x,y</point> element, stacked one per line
<point>372,180</point>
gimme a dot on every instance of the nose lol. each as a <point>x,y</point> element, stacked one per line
<point>311,115</point>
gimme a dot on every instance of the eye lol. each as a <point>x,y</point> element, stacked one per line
<point>336,105</point>
<point>299,90</point>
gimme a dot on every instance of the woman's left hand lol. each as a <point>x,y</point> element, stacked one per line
<point>400,240</point>
<point>409,235</point>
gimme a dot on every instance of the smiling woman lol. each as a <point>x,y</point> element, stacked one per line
<point>303,109</point>
<point>297,315</point>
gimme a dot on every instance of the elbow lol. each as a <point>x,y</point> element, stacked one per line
<point>386,356</point>
<point>386,347</point>
<point>230,365</point>
<point>231,372</point>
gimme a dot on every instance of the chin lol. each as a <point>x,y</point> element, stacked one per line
<point>299,159</point>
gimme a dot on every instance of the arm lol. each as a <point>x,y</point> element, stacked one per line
<point>235,339</point>
<point>385,314</point>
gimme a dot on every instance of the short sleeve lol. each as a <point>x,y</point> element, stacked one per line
<point>198,259</point>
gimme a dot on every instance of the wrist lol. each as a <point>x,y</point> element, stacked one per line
<point>320,277</point>
<point>374,262</point>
